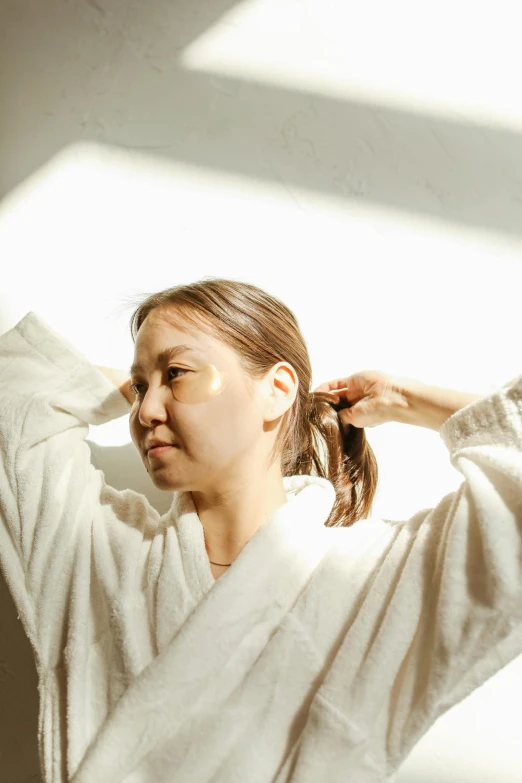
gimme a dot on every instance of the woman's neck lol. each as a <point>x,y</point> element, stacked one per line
<point>230,521</point>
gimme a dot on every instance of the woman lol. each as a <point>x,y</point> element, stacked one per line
<point>265,629</point>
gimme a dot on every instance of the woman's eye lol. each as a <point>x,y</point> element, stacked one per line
<point>136,386</point>
<point>176,368</point>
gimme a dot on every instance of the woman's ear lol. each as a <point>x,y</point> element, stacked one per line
<point>283,385</point>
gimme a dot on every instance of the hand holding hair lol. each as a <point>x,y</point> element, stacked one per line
<point>371,397</point>
<point>367,398</point>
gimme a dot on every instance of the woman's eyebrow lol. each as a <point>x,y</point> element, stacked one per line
<point>165,355</point>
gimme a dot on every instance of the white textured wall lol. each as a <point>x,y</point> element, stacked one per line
<point>363,161</point>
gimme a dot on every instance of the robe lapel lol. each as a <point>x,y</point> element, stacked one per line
<point>223,636</point>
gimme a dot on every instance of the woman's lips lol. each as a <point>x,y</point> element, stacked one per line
<point>156,452</point>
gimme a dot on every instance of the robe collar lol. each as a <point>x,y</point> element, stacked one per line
<point>310,500</point>
<point>222,638</point>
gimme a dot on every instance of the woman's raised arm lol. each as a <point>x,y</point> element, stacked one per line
<point>121,380</point>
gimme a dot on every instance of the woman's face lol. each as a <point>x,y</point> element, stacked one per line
<point>212,433</point>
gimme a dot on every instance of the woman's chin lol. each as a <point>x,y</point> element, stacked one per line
<point>168,483</point>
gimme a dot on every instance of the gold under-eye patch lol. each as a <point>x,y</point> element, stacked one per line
<point>199,385</point>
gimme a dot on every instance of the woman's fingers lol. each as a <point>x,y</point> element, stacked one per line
<point>370,393</point>
<point>348,387</point>
<point>351,387</point>
<point>339,383</point>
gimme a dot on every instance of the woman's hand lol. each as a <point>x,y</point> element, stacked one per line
<point>374,398</point>
<point>121,380</point>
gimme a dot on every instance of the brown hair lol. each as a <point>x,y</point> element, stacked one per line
<point>263,331</point>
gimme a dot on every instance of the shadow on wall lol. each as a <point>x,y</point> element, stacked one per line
<point>18,696</point>
<point>124,469</point>
<point>19,762</point>
<point>120,82</point>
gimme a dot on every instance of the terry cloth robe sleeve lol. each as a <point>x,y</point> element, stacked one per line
<point>443,612</point>
<point>49,394</point>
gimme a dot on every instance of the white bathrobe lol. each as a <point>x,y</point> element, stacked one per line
<point>322,654</point>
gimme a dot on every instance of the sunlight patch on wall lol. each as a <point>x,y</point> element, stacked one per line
<point>448,59</point>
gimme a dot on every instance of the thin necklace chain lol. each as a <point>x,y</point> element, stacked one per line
<point>220,564</point>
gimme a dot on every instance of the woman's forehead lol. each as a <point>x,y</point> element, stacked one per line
<point>167,340</point>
